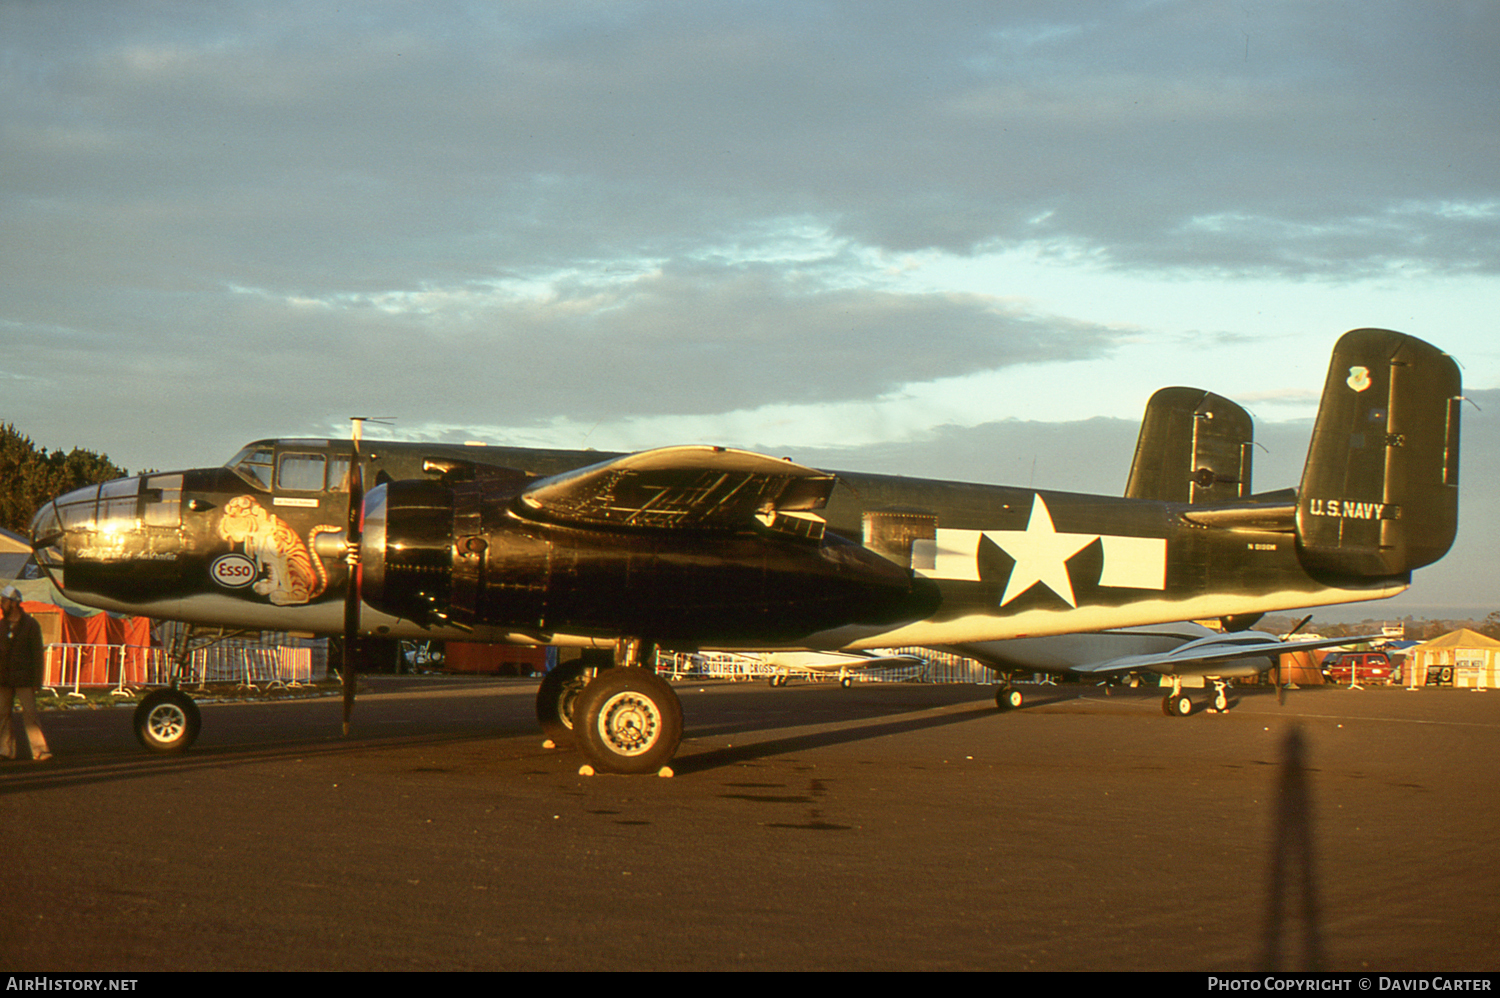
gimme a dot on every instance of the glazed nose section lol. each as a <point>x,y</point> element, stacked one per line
<point>48,542</point>
<point>109,526</point>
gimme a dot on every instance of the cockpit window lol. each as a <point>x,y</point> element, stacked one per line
<point>253,464</point>
<point>338,473</point>
<point>301,472</point>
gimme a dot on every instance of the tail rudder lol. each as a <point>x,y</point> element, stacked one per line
<point>1379,492</point>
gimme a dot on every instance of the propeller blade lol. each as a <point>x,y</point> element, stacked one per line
<point>353,597</point>
<point>1281,686</point>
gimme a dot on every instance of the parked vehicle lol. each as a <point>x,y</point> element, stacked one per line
<point>1372,667</point>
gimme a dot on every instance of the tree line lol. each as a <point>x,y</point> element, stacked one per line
<point>31,476</point>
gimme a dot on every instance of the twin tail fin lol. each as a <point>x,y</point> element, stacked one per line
<point>1379,492</point>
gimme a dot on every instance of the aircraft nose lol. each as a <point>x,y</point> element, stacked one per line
<point>103,530</point>
<point>47,542</point>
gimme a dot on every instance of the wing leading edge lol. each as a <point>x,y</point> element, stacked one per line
<point>1202,655</point>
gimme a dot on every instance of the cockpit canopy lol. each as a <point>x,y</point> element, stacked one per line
<point>294,465</point>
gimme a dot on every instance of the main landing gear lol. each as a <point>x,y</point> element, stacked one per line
<point>557,698</point>
<point>621,716</point>
<point>1177,704</point>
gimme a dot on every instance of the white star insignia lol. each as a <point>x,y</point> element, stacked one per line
<point>1041,554</point>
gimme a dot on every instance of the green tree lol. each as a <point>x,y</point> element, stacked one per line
<point>30,476</point>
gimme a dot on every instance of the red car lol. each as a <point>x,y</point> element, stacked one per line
<point>1365,666</point>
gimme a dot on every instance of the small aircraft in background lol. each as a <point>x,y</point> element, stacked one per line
<point>1177,650</point>
<point>700,547</point>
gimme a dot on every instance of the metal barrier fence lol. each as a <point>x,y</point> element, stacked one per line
<point>71,667</point>
<point>252,666</point>
<point>937,667</point>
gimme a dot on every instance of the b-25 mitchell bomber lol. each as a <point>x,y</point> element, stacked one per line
<point>699,547</point>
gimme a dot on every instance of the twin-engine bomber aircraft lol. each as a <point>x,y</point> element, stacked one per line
<point>707,548</point>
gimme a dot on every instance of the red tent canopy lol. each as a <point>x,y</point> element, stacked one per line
<point>91,650</point>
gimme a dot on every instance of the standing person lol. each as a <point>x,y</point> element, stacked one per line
<point>20,673</point>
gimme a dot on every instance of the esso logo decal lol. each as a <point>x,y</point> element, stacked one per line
<point>233,571</point>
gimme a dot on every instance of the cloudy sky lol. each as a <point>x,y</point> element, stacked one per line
<point>955,239</point>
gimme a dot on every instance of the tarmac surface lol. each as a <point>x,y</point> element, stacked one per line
<point>888,826</point>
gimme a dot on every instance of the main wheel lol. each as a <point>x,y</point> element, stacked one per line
<point>557,698</point>
<point>1176,706</point>
<point>628,720</point>
<point>1008,698</point>
<point>167,721</point>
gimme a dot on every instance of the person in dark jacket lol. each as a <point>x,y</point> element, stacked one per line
<point>20,674</point>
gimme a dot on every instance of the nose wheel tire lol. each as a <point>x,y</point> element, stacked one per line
<point>167,721</point>
<point>1008,698</point>
<point>628,720</point>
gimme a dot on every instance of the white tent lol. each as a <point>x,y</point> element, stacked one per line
<point>1463,657</point>
<point>15,552</point>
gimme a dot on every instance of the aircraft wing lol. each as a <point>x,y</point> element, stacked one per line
<point>693,487</point>
<point>1201,655</point>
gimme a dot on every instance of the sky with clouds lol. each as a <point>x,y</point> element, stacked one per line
<point>964,240</point>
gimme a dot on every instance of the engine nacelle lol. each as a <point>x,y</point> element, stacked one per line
<point>464,553</point>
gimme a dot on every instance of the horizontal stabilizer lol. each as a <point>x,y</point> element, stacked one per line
<point>1273,512</point>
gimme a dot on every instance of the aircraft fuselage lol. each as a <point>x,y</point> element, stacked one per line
<point>256,544</point>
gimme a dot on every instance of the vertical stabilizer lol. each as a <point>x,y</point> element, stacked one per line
<point>1194,447</point>
<point>1379,493</point>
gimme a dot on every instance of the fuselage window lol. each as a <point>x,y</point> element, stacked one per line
<point>301,472</point>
